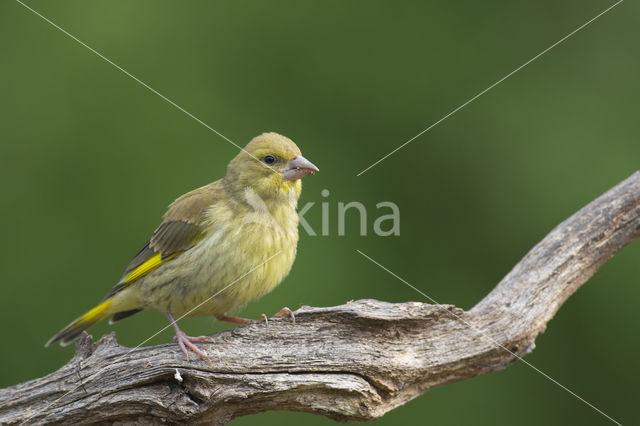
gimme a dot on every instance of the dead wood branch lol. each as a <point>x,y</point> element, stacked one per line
<point>352,362</point>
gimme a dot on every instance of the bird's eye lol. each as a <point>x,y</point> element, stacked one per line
<point>269,159</point>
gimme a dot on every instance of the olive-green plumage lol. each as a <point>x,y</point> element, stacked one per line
<point>219,246</point>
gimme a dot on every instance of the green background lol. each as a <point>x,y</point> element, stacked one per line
<point>90,159</point>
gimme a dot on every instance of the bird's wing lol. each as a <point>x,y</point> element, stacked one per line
<point>183,226</point>
<point>168,241</point>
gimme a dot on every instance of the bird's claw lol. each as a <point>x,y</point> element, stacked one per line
<point>282,312</point>
<point>286,311</point>
<point>185,342</point>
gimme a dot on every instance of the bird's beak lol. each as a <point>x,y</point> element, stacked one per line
<point>299,167</point>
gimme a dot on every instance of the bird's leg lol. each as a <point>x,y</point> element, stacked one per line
<point>283,311</point>
<point>185,341</point>
<point>235,320</point>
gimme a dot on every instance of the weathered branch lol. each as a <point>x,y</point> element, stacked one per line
<point>352,362</point>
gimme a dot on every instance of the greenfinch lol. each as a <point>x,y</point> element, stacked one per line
<point>219,246</point>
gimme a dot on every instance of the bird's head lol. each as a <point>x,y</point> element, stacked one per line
<point>271,165</point>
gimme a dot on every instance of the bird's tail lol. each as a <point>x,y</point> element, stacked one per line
<point>73,330</point>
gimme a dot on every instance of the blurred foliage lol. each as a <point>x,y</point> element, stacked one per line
<point>90,159</point>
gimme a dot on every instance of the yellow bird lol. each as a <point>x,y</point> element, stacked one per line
<point>219,246</point>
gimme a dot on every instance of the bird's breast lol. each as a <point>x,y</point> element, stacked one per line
<point>238,261</point>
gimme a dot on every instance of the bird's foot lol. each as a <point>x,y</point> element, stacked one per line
<point>283,311</point>
<point>185,342</point>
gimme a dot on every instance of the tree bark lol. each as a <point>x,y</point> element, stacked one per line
<point>351,363</point>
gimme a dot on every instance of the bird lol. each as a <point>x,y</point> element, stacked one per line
<point>217,248</point>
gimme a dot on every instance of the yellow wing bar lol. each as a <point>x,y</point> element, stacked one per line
<point>147,266</point>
